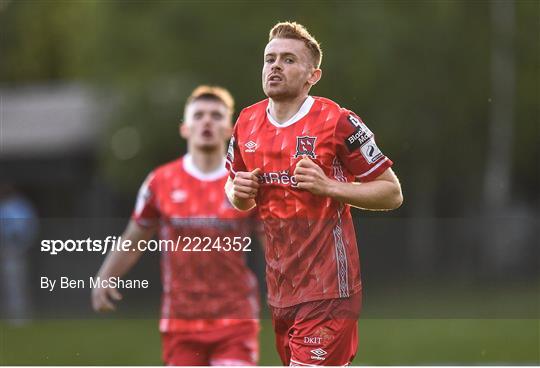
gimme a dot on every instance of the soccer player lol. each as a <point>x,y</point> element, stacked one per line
<point>210,298</point>
<point>303,161</point>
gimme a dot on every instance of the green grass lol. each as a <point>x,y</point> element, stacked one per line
<point>449,341</point>
<point>382,342</point>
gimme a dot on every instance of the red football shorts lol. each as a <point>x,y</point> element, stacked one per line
<point>322,332</point>
<point>230,345</point>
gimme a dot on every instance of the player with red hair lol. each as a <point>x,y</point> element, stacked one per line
<point>209,313</point>
<point>304,161</point>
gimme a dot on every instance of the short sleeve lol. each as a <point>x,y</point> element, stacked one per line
<point>356,148</point>
<point>234,162</point>
<point>146,213</point>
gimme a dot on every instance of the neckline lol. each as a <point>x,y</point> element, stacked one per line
<point>303,111</point>
<point>191,169</point>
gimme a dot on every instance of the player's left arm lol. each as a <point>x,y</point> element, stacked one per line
<point>382,193</point>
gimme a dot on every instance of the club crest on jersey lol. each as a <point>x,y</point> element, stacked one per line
<point>305,146</point>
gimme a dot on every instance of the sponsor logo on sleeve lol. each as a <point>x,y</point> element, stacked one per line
<point>370,151</point>
<point>360,136</point>
<point>357,139</point>
<point>305,146</point>
<point>357,123</point>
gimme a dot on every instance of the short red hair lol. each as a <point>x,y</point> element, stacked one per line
<point>297,31</point>
<point>215,93</point>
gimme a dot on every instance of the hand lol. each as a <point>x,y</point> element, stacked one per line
<point>102,299</point>
<point>311,177</point>
<point>246,184</point>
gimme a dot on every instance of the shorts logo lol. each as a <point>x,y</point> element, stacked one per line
<point>312,340</point>
<point>250,146</point>
<point>318,354</point>
<point>305,146</point>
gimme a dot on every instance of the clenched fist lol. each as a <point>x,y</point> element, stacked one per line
<point>245,185</point>
<point>311,177</point>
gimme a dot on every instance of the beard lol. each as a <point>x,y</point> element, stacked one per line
<point>281,93</point>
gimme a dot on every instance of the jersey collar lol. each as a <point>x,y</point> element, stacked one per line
<point>194,171</point>
<point>304,109</point>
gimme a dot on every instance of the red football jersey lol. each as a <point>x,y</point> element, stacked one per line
<point>203,285</point>
<point>311,251</point>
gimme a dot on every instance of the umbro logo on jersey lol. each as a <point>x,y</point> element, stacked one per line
<point>318,354</point>
<point>305,146</point>
<point>250,146</point>
<point>178,195</point>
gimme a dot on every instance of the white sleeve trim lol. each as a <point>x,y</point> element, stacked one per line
<point>231,167</point>
<point>373,168</point>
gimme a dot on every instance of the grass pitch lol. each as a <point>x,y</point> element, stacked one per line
<point>382,342</point>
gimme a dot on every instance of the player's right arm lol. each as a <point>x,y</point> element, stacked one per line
<point>243,189</point>
<point>117,264</point>
<point>242,185</point>
<point>142,226</point>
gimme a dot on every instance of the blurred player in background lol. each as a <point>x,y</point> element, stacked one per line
<point>19,227</point>
<point>304,161</point>
<point>210,298</point>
